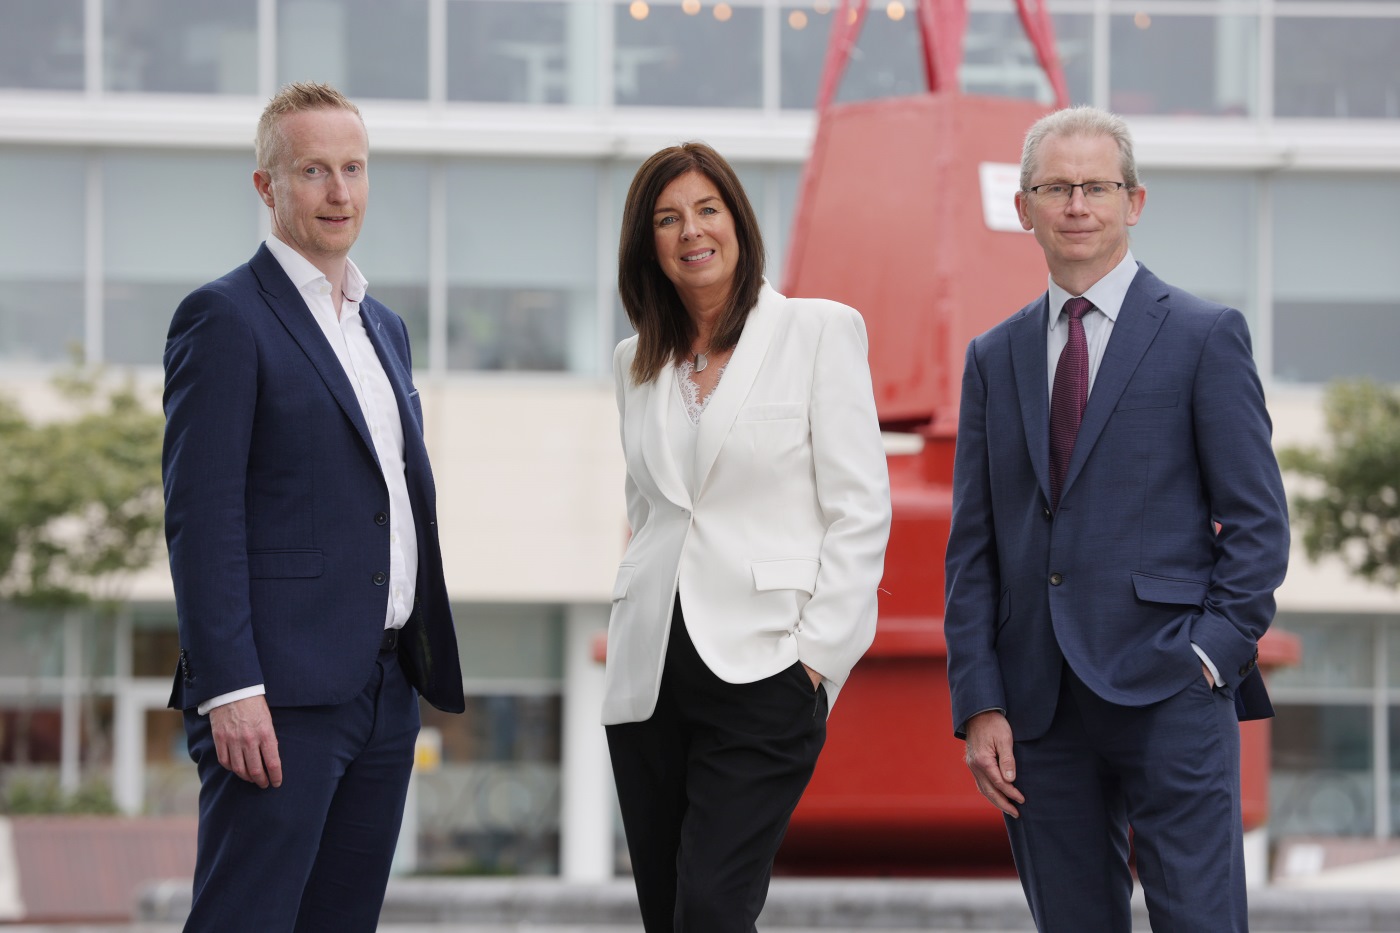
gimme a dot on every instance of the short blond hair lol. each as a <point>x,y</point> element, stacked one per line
<point>297,97</point>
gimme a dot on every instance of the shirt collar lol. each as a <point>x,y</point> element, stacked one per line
<point>306,276</point>
<point>1107,293</point>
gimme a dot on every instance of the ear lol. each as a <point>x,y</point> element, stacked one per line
<point>1023,210</point>
<point>1136,199</point>
<point>262,183</point>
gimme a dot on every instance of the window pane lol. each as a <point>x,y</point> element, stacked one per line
<point>180,46</point>
<point>1337,653</point>
<point>671,58</point>
<point>522,265</point>
<point>531,53</point>
<point>1336,67</point>
<point>1184,64</point>
<point>171,222</point>
<point>999,60</point>
<point>392,250</point>
<point>366,48</point>
<point>1394,712</point>
<point>888,60</point>
<point>41,253</point>
<point>41,45</point>
<point>1198,233</point>
<point>1336,285</point>
<point>1320,781</point>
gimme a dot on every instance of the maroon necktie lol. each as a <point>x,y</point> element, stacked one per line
<point>1068,396</point>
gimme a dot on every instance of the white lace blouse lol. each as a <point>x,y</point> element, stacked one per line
<point>684,423</point>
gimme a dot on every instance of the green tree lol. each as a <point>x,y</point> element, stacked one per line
<point>1350,504</point>
<point>80,495</point>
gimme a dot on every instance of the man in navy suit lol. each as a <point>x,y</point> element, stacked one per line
<point>1118,532</point>
<point>301,520</point>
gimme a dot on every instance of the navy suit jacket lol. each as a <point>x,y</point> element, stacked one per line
<point>276,507</point>
<point>1131,570</point>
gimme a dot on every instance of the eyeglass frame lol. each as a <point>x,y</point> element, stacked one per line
<point>1083,186</point>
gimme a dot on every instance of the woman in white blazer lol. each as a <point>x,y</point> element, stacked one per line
<point>758,498</point>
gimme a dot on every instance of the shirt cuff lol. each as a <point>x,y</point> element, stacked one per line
<point>224,699</point>
<point>1214,672</point>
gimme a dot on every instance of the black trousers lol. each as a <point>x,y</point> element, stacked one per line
<point>707,786</point>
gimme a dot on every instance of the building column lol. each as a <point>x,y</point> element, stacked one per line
<point>587,799</point>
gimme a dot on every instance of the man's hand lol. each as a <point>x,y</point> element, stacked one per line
<point>1210,679</point>
<point>990,760</point>
<point>246,742</point>
<point>816,678</point>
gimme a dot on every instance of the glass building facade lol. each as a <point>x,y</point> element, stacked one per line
<point>503,137</point>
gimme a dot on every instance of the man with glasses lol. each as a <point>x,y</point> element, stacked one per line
<point>1119,527</point>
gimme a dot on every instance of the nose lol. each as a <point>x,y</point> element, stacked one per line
<point>690,229</point>
<point>1078,203</point>
<point>339,191</point>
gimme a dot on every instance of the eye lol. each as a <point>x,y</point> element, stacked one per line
<point>312,170</point>
<point>1055,191</point>
<point>666,221</point>
<point>353,169</point>
<point>1096,190</point>
<point>709,210</point>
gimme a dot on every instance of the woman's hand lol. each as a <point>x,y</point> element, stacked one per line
<point>816,678</point>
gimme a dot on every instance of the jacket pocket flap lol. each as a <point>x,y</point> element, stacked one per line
<point>1167,590</point>
<point>1132,400</point>
<point>793,574</point>
<point>623,581</point>
<point>773,411</point>
<point>273,564</point>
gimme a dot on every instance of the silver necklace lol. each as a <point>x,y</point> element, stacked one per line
<point>701,361</point>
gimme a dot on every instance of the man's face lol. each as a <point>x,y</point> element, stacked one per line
<point>318,184</point>
<point>1083,238</point>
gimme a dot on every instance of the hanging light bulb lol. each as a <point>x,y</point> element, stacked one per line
<point>895,10</point>
<point>797,19</point>
<point>723,12</point>
<point>639,9</point>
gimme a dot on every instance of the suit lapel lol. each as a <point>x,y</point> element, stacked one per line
<point>1027,335</point>
<point>1138,321</point>
<point>656,446</point>
<point>400,379</point>
<point>739,376</point>
<point>286,302</point>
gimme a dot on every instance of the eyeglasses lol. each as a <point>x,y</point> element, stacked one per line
<point>1063,191</point>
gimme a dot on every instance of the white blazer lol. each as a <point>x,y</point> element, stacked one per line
<point>780,552</point>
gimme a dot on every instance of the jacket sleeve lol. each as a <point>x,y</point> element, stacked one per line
<point>853,490</point>
<point>637,508</point>
<point>1245,491</point>
<point>972,580</point>
<point>211,377</point>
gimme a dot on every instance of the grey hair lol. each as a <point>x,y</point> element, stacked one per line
<point>1083,120</point>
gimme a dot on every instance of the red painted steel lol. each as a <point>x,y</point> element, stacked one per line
<point>890,220</point>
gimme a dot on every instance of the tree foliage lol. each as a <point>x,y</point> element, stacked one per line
<point>1350,505</point>
<point>80,495</point>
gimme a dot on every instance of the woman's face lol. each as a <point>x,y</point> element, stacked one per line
<point>696,243</point>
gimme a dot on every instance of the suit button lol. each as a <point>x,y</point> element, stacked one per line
<point>1056,579</point>
<point>380,578</point>
<point>1048,514</point>
<point>381,518</point>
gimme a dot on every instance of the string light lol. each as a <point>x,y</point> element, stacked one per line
<point>639,9</point>
<point>691,7</point>
<point>822,7</point>
<point>723,12</point>
<point>1141,20</point>
<point>895,10</point>
<point>797,19</point>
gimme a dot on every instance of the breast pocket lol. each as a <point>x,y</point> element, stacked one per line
<point>774,411</point>
<point>1133,401</point>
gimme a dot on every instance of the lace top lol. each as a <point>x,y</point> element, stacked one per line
<point>690,392</point>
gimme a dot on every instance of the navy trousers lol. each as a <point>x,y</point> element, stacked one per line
<point>313,855</point>
<point>1171,772</point>
<point>707,786</point>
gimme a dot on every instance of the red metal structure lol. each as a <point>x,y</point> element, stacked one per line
<point>892,220</point>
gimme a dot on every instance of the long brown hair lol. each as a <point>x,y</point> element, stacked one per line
<point>664,329</point>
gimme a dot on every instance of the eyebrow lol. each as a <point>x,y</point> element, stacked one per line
<point>707,198</point>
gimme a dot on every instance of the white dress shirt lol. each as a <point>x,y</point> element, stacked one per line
<point>351,345</point>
